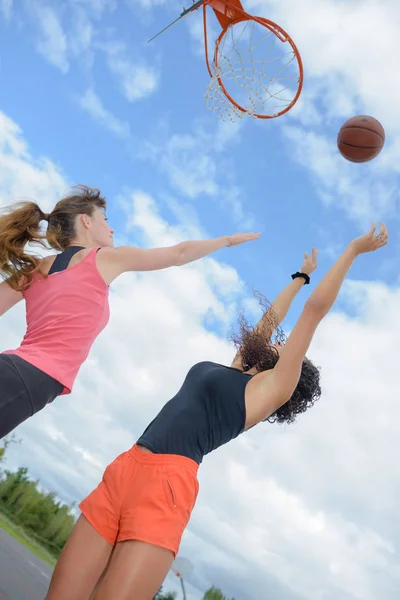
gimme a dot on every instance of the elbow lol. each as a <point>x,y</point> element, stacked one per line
<point>179,256</point>
<point>316,308</point>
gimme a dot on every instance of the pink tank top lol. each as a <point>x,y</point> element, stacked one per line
<point>65,312</point>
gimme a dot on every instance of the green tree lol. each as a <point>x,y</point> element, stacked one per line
<point>215,594</point>
<point>5,443</point>
<point>39,513</point>
<point>167,596</point>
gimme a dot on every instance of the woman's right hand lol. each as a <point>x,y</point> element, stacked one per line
<point>240,238</point>
<point>369,242</point>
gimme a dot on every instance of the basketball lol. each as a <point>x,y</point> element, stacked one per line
<point>361,139</point>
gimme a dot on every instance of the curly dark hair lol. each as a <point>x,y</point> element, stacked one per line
<point>256,351</point>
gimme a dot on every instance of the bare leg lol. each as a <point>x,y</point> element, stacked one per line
<point>81,564</point>
<point>96,587</point>
<point>136,572</point>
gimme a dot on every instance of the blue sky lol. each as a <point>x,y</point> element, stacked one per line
<point>164,140</point>
<point>85,99</point>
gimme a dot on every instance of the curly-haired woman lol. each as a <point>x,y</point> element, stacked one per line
<point>66,295</point>
<point>123,544</point>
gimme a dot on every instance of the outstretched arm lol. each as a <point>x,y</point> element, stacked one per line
<point>114,261</point>
<point>8,297</point>
<point>279,385</point>
<point>280,306</point>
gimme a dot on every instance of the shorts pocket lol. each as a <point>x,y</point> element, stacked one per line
<point>169,491</point>
<point>180,491</point>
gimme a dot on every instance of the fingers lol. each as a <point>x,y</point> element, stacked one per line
<point>383,231</point>
<point>314,254</point>
<point>250,236</point>
<point>382,236</point>
<point>241,238</point>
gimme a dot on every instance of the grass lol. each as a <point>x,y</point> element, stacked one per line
<point>23,538</point>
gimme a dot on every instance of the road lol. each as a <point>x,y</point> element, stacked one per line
<point>23,576</point>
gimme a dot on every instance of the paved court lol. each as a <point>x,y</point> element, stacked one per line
<point>23,576</point>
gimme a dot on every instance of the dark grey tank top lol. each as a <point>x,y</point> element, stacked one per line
<point>207,412</point>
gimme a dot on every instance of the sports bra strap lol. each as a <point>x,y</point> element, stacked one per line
<point>62,260</point>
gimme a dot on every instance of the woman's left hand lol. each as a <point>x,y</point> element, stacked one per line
<point>310,262</point>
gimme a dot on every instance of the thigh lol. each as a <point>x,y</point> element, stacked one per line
<point>42,388</point>
<point>100,580</point>
<point>136,572</point>
<point>15,403</point>
<point>81,564</point>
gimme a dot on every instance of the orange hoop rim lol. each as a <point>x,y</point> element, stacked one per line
<point>276,29</point>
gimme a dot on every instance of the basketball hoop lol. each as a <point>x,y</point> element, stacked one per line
<point>256,68</point>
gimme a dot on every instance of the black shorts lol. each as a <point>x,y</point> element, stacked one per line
<point>24,390</point>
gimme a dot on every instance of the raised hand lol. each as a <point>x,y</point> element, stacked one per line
<point>371,241</point>
<point>240,238</point>
<point>310,262</point>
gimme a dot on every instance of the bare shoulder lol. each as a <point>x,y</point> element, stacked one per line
<point>111,262</point>
<point>105,261</point>
<point>262,397</point>
<point>106,255</point>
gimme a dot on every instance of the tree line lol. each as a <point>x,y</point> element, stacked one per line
<point>38,512</point>
<point>212,594</point>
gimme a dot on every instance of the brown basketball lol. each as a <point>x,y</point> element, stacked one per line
<point>361,139</point>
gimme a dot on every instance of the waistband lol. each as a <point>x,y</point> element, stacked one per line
<point>145,458</point>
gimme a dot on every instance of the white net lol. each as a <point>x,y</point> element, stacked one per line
<point>259,71</point>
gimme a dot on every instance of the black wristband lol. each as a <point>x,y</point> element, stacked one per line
<point>303,275</point>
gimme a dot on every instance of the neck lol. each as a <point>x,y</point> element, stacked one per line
<point>81,242</point>
<point>252,371</point>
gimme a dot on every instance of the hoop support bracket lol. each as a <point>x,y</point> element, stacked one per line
<point>226,13</point>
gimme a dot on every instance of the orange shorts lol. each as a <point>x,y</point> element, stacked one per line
<point>147,497</point>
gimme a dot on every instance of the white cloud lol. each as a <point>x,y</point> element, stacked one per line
<point>136,79</point>
<point>146,4</point>
<point>52,43</point>
<point>23,176</point>
<point>189,165</point>
<point>96,8</point>
<point>364,194</point>
<point>340,42</point>
<point>92,104</point>
<point>80,38</point>
<point>196,165</point>
<point>77,31</point>
<point>324,554</point>
<point>6,7</point>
